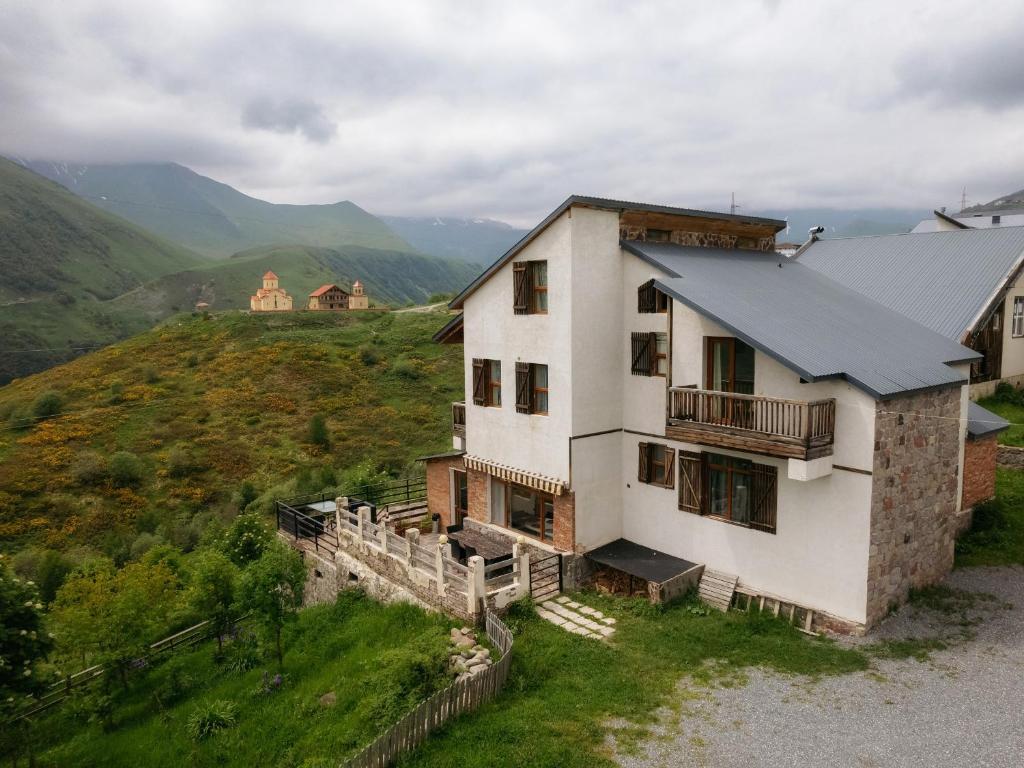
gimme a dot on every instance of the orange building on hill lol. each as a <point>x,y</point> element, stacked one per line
<point>271,297</point>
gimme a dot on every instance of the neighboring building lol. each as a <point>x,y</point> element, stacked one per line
<point>974,219</point>
<point>334,298</point>
<point>961,282</point>
<point>650,379</point>
<point>271,297</point>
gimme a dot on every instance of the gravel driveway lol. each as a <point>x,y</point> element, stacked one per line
<point>962,706</point>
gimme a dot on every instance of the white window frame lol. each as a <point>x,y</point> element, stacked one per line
<point>1017,326</point>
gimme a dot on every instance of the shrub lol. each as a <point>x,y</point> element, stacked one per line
<point>142,544</point>
<point>368,355</point>
<point>246,495</point>
<point>405,676</point>
<point>192,360</point>
<point>116,393</point>
<point>176,685</point>
<point>89,468</point>
<point>179,462</point>
<point>247,538</point>
<point>47,405</point>
<point>407,368</point>
<point>150,374</point>
<point>210,717</point>
<point>242,654</point>
<point>318,434</point>
<point>125,469</point>
<point>20,418</point>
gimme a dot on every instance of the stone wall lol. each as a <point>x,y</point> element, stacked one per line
<point>980,470</point>
<point>913,497</point>
<point>1010,456</point>
<point>702,239</point>
<point>322,578</point>
<point>987,388</point>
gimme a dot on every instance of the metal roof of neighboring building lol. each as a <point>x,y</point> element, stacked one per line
<point>606,204</point>
<point>943,280</point>
<point>809,323</point>
<point>981,422</point>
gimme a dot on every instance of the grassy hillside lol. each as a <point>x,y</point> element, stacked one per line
<point>216,412</point>
<point>390,277</point>
<point>61,259</point>
<point>52,241</point>
<point>476,241</point>
<point>213,218</point>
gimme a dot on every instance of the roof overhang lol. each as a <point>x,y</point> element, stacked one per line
<point>451,333</point>
<point>601,203</point>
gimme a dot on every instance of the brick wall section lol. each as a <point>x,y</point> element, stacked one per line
<point>913,496</point>
<point>479,506</point>
<point>979,470</point>
<point>439,487</point>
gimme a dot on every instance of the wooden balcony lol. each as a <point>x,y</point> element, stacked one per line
<point>772,426</point>
<point>459,419</point>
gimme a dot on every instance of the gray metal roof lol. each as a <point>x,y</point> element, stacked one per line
<point>982,422</point>
<point>943,280</point>
<point>811,324</point>
<point>605,204</point>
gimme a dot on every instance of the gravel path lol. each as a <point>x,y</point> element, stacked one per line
<point>963,706</point>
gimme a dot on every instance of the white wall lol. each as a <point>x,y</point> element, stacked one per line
<point>643,397</point>
<point>1013,348</point>
<point>818,556</point>
<point>529,442</point>
<point>597,483</point>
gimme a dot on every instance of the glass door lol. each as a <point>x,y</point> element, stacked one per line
<point>461,500</point>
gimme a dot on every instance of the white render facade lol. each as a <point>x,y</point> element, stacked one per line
<point>824,550</point>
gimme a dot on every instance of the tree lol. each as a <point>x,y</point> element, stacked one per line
<point>111,616</point>
<point>23,643</point>
<point>246,539</point>
<point>47,405</point>
<point>272,588</point>
<point>212,592</point>
<point>318,434</point>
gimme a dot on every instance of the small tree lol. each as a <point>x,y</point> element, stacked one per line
<point>47,405</point>
<point>272,588</point>
<point>318,434</point>
<point>212,592</point>
<point>125,469</point>
<point>112,615</point>
<point>246,539</point>
<point>23,644</point>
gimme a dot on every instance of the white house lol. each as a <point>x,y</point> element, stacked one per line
<point>649,386</point>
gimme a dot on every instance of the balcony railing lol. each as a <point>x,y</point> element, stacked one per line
<point>773,426</point>
<point>459,419</point>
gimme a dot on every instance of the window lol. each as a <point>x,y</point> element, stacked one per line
<point>649,354</point>
<point>528,511</point>
<point>656,465</point>
<point>649,299</point>
<point>487,382</point>
<point>532,388</point>
<point>1018,316</point>
<point>730,488</point>
<point>530,287</point>
<point>730,366</point>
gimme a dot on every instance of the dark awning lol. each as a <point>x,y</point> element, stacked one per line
<point>640,561</point>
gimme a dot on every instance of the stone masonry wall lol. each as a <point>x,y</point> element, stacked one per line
<point>702,239</point>
<point>979,470</point>
<point>913,497</point>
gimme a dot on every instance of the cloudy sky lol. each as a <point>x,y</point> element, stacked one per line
<point>503,109</point>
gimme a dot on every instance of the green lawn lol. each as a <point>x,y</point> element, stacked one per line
<point>997,533</point>
<point>1010,411</point>
<point>380,661</point>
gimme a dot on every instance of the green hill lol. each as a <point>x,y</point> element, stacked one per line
<point>61,259</point>
<point>207,405</point>
<point>214,218</point>
<point>390,277</point>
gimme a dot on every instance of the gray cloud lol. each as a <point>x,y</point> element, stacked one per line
<point>303,117</point>
<point>502,110</point>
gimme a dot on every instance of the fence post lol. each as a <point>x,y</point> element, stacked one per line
<point>412,536</point>
<point>442,545</point>
<point>521,555</point>
<point>295,524</point>
<point>340,503</point>
<point>476,585</point>
<point>362,518</point>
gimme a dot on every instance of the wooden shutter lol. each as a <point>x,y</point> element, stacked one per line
<point>643,473</point>
<point>670,468</point>
<point>520,287</point>
<point>524,391</point>
<point>765,492</point>
<point>646,298</point>
<point>479,382</point>
<point>691,476</point>
<point>642,350</point>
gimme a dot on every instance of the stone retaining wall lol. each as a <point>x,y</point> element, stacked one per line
<point>1010,456</point>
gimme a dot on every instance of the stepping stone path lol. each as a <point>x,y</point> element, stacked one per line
<point>577,618</point>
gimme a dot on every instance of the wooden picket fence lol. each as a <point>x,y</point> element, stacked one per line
<point>464,696</point>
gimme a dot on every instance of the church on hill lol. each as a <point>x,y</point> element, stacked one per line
<point>271,297</point>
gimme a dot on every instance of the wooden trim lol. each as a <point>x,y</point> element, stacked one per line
<point>840,467</point>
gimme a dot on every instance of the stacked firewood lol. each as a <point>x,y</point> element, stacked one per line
<point>613,582</point>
